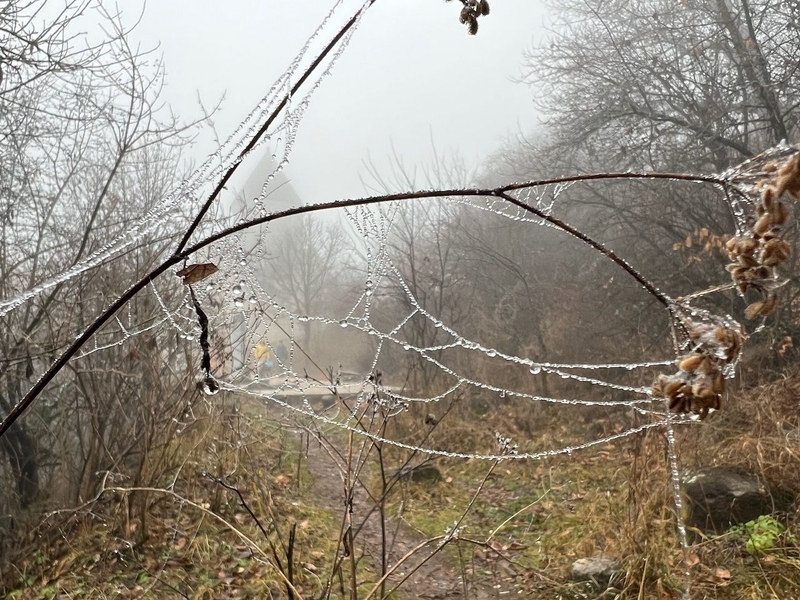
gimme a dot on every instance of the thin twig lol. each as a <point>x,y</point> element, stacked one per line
<point>500,192</point>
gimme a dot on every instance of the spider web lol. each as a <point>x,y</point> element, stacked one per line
<point>250,317</point>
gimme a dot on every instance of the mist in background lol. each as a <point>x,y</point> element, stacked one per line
<point>411,81</point>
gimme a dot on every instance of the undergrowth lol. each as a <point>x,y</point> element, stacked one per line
<point>529,521</point>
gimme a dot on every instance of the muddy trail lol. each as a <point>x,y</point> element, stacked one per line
<point>426,574</point>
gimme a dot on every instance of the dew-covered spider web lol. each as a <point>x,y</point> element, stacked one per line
<point>325,315</point>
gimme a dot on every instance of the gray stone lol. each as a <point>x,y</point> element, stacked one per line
<point>598,570</point>
<point>716,498</point>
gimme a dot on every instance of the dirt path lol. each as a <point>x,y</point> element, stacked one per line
<point>437,578</point>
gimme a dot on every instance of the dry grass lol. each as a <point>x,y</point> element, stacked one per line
<point>531,520</point>
<point>617,500</point>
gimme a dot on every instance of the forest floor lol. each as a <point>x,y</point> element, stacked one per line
<point>522,523</point>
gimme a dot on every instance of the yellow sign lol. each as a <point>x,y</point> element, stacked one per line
<point>262,353</point>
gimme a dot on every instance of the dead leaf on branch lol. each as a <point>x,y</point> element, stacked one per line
<point>197,272</point>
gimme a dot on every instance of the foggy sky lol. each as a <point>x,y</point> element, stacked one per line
<point>411,77</point>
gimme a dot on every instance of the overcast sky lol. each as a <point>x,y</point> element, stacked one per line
<point>410,75</point>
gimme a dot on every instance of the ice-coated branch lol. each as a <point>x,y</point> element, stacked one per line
<point>503,193</point>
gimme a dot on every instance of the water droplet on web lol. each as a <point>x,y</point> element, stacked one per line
<point>303,319</point>
<point>253,300</point>
<point>343,323</point>
<point>237,290</point>
<point>535,370</point>
<point>491,353</point>
<point>406,347</point>
<point>238,302</point>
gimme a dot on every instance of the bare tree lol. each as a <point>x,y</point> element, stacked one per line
<point>667,84</point>
<point>83,154</point>
<point>304,266</point>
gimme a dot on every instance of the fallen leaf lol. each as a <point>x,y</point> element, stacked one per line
<point>281,480</point>
<point>722,576</point>
<point>197,272</point>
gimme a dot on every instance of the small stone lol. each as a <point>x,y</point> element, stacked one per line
<point>715,498</point>
<point>599,570</point>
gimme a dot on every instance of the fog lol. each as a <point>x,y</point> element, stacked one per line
<point>218,388</point>
<point>411,80</point>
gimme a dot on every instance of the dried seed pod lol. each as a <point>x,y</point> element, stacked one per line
<point>672,387</point>
<point>730,340</point>
<point>690,363</point>
<point>472,25</point>
<point>770,304</point>
<point>483,7</point>
<point>706,390</point>
<point>788,180</point>
<point>761,273</point>
<point>737,271</point>
<point>746,246</point>
<point>761,307</point>
<point>466,13</point>
<point>677,403</point>
<point>718,383</point>
<point>775,252</point>
<point>768,198</point>
<point>747,260</point>
<point>707,366</point>
<point>754,276</point>
<point>700,388</point>
<point>763,225</point>
<point>781,213</point>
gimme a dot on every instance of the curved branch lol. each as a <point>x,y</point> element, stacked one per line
<point>501,192</point>
<point>260,133</point>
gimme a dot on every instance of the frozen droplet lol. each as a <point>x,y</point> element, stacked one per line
<point>343,323</point>
<point>237,290</point>
<point>535,370</point>
<point>303,319</point>
<point>238,302</point>
<point>491,353</point>
<point>406,347</point>
<point>190,337</point>
<point>253,300</point>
